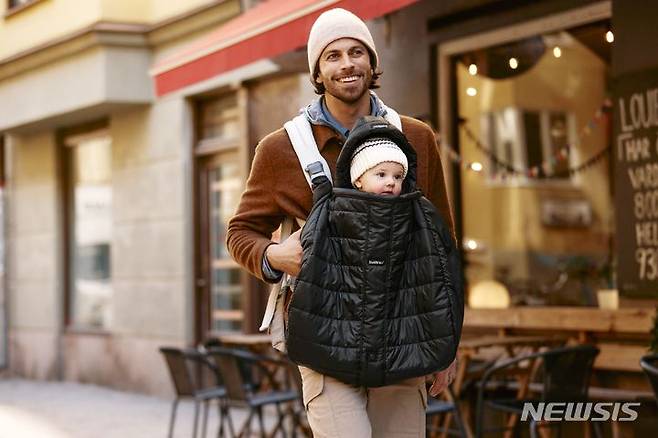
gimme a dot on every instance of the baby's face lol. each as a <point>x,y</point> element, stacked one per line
<point>383,179</point>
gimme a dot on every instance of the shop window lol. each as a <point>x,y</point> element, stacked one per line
<point>89,230</point>
<point>533,148</point>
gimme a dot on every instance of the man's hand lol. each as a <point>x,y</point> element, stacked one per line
<point>443,379</point>
<point>287,255</point>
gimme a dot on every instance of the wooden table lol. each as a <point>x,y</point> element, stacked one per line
<point>257,340</point>
<point>622,335</point>
<point>471,348</point>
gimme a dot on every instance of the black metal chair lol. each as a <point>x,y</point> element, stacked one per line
<point>436,408</point>
<point>565,373</point>
<point>197,378</point>
<point>649,364</point>
<point>270,382</point>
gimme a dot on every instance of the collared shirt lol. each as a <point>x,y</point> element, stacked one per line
<point>330,120</point>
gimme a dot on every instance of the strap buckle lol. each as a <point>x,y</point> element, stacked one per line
<point>315,170</point>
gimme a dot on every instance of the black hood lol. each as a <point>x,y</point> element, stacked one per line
<point>370,127</point>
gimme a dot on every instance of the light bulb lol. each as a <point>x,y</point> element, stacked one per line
<point>473,69</point>
<point>609,36</point>
<point>471,91</point>
<point>513,63</point>
<point>557,52</point>
<point>476,166</point>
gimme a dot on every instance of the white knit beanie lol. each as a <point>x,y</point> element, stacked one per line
<point>333,25</point>
<point>373,152</point>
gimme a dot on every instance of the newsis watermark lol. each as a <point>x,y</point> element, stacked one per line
<point>579,411</point>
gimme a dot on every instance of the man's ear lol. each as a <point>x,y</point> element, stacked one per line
<point>358,184</point>
<point>316,73</point>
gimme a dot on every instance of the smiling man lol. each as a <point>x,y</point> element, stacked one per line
<point>343,65</point>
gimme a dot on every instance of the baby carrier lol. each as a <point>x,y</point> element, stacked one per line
<point>379,295</point>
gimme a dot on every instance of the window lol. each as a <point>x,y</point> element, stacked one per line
<point>89,194</point>
<point>532,130</point>
<point>219,118</point>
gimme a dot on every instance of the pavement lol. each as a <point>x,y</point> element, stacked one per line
<point>40,409</point>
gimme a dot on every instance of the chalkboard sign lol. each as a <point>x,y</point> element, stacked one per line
<point>635,147</point>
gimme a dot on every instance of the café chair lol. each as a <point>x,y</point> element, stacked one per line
<point>436,408</point>
<point>564,374</point>
<point>272,382</point>
<point>197,378</point>
<point>649,364</point>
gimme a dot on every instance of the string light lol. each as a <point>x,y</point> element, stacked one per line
<point>471,91</point>
<point>476,166</point>
<point>507,170</point>
<point>609,36</point>
<point>513,63</point>
<point>533,172</point>
<point>472,69</point>
<point>557,52</point>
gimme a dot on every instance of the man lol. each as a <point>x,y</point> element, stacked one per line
<point>343,66</point>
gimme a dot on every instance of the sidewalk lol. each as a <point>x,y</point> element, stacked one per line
<point>37,409</point>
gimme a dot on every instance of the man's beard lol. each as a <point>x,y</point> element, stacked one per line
<point>346,95</point>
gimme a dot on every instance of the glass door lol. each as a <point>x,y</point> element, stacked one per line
<point>221,284</point>
<point>220,184</point>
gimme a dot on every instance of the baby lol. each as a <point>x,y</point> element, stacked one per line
<point>379,166</point>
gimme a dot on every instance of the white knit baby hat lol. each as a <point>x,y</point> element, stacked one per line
<point>333,25</point>
<point>373,152</point>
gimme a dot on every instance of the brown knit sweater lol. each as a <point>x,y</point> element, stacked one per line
<point>277,188</point>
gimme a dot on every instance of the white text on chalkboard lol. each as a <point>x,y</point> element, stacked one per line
<point>640,111</point>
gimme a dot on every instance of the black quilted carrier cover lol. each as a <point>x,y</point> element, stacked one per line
<point>379,296</point>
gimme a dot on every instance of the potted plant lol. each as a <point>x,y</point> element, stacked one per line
<point>607,295</point>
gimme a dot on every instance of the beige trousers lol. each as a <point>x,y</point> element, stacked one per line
<point>338,410</point>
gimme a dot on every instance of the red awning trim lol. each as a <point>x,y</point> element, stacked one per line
<point>272,28</point>
<point>262,18</point>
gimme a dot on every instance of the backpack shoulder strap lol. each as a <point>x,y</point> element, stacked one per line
<point>301,136</point>
<point>392,116</point>
<point>275,292</point>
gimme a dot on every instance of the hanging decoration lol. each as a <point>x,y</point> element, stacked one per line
<point>546,166</point>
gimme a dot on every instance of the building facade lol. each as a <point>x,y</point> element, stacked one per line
<point>129,129</point>
<point>97,235</point>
